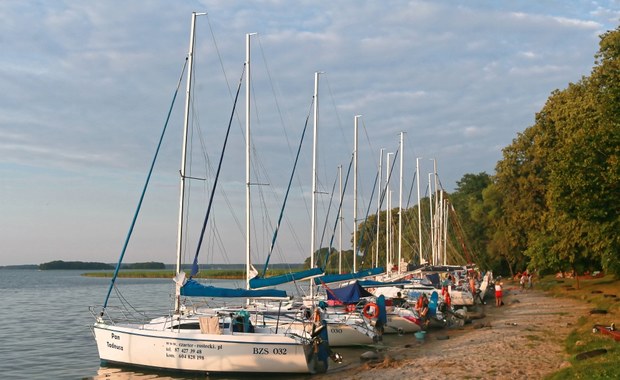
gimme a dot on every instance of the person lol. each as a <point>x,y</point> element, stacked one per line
<point>445,285</point>
<point>422,308</point>
<point>498,293</point>
<point>524,279</point>
<point>472,284</point>
<point>399,301</point>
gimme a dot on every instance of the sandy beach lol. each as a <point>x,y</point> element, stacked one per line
<point>524,339</point>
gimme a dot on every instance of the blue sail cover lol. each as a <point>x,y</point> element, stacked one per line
<point>261,282</point>
<point>348,294</point>
<point>329,278</point>
<point>194,289</point>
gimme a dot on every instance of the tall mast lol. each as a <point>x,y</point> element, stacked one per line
<point>190,71</point>
<point>445,232</point>
<point>356,118</point>
<point>417,171</point>
<point>314,161</point>
<point>379,205</point>
<point>437,222</point>
<point>340,221</point>
<point>430,207</point>
<point>388,213</point>
<point>248,216</point>
<point>400,204</point>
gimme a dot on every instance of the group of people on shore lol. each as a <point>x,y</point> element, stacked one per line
<point>525,282</point>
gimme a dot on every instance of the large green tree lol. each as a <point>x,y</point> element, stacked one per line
<point>559,178</point>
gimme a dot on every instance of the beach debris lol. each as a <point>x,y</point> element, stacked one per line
<point>590,354</point>
<point>370,356</point>
<point>385,362</point>
<point>598,311</point>
<point>420,335</point>
<point>475,315</point>
<point>481,325</point>
<point>565,364</point>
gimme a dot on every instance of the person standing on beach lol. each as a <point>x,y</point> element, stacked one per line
<point>523,280</point>
<point>498,293</point>
<point>472,285</point>
<point>421,308</point>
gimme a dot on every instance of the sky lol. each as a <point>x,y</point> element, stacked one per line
<point>86,87</point>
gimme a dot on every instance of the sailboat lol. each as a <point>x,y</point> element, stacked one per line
<point>203,340</point>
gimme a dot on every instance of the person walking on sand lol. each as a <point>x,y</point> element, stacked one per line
<point>523,280</point>
<point>498,293</point>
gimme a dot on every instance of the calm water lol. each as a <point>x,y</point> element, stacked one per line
<point>46,324</point>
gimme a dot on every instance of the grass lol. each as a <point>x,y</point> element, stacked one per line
<point>597,293</point>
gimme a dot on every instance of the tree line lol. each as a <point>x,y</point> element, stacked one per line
<point>553,203</point>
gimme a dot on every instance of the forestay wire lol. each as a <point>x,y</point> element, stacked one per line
<point>288,189</point>
<point>148,179</point>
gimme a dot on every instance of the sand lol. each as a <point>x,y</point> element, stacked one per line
<point>524,339</point>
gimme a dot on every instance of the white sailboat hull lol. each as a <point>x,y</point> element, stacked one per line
<point>341,335</point>
<point>197,352</point>
<point>401,324</point>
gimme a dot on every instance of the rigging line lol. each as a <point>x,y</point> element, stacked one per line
<point>331,198</point>
<point>219,167</point>
<point>258,164</point>
<point>384,190</point>
<point>372,149</point>
<point>275,233</point>
<point>411,189</point>
<point>383,193</point>
<point>148,179</point>
<point>303,198</point>
<point>359,240</point>
<point>273,90</point>
<point>331,95</point>
<point>338,214</point>
<point>219,56</point>
<point>361,185</point>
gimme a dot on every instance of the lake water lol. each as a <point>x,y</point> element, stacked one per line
<point>46,324</point>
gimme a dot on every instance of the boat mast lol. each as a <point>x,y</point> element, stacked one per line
<point>314,161</point>
<point>388,215</point>
<point>248,263</point>
<point>340,221</point>
<point>400,205</point>
<point>379,206</point>
<point>355,129</point>
<point>190,62</point>
<point>430,207</point>
<point>417,170</point>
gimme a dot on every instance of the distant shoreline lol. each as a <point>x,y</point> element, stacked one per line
<point>218,274</point>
